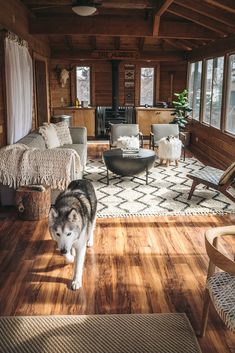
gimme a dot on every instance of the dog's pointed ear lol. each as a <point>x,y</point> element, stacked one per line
<point>53,214</point>
<point>73,215</point>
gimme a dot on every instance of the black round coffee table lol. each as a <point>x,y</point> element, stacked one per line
<point>124,164</point>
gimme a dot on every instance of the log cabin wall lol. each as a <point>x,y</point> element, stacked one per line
<point>101,81</point>
<point>15,17</point>
<point>212,146</point>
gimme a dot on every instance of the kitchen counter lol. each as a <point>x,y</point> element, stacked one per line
<point>74,108</point>
<point>154,108</point>
<point>79,117</point>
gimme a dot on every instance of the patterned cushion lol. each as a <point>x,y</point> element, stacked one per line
<point>210,174</point>
<point>50,136</point>
<point>227,174</point>
<point>221,287</point>
<point>63,133</point>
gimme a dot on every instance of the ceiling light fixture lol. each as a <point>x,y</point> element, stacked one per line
<point>84,10</point>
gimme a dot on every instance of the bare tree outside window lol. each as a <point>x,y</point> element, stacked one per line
<point>230,108</point>
<point>146,85</point>
<point>194,88</point>
<point>213,91</point>
<point>83,83</point>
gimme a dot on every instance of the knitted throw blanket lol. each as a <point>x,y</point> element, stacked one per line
<point>22,165</point>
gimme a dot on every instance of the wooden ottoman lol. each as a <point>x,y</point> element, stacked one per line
<point>169,149</point>
<point>33,202</point>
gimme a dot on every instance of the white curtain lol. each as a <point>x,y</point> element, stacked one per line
<point>19,89</point>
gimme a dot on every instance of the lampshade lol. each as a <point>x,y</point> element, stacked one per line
<point>84,10</point>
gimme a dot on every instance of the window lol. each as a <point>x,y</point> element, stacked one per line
<point>194,88</point>
<point>147,86</point>
<point>230,107</point>
<point>213,91</point>
<point>83,83</point>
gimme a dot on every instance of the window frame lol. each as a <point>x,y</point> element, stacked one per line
<point>155,72</point>
<point>90,86</point>
<point>201,87</point>
<point>223,92</point>
<point>225,98</point>
<point>222,127</point>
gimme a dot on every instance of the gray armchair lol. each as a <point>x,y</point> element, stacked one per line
<point>119,130</point>
<point>159,131</point>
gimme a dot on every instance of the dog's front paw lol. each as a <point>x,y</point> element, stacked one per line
<point>76,285</point>
<point>69,258</point>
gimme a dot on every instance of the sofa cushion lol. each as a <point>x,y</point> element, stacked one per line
<point>63,133</point>
<point>33,139</point>
<point>49,133</point>
<point>81,149</point>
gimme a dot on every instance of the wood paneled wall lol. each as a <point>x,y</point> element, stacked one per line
<point>15,17</point>
<point>214,147</point>
<point>101,84</point>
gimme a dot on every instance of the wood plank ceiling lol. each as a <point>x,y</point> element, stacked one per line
<point>149,27</point>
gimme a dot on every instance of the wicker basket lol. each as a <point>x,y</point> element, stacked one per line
<point>33,202</point>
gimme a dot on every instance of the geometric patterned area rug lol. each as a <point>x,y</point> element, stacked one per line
<point>166,193</point>
<point>128,333</point>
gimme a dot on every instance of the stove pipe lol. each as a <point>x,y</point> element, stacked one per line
<point>115,86</point>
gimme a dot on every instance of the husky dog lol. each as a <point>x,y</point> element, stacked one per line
<point>72,222</point>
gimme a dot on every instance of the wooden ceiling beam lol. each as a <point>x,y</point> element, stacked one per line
<point>178,44</point>
<point>144,56</point>
<point>156,25</point>
<point>227,5</point>
<point>217,47</point>
<point>158,13</point>
<point>198,19</point>
<point>116,26</point>
<point>184,30</point>
<point>111,4</point>
<point>208,11</point>
<point>163,7</point>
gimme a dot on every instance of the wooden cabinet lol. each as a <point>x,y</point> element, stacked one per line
<point>80,117</point>
<point>145,117</point>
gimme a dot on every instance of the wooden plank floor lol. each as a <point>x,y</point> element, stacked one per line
<point>137,265</point>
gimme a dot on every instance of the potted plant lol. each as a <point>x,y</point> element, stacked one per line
<point>181,117</point>
<point>181,106</point>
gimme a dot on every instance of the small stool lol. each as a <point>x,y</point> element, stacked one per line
<point>33,202</point>
<point>169,149</point>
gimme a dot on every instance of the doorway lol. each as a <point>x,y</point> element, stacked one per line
<point>41,91</point>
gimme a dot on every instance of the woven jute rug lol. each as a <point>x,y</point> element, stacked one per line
<point>134,333</point>
<point>166,193</point>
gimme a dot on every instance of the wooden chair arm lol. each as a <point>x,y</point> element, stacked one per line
<point>217,257</point>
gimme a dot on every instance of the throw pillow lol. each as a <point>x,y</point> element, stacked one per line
<point>63,133</point>
<point>128,142</point>
<point>50,136</point>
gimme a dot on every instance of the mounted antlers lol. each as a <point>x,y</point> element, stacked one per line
<point>63,74</point>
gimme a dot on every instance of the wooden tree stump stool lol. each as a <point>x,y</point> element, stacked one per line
<point>33,202</point>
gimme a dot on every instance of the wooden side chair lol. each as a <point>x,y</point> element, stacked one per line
<point>220,286</point>
<point>214,178</point>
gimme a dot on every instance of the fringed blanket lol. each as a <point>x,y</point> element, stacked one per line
<point>22,165</point>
